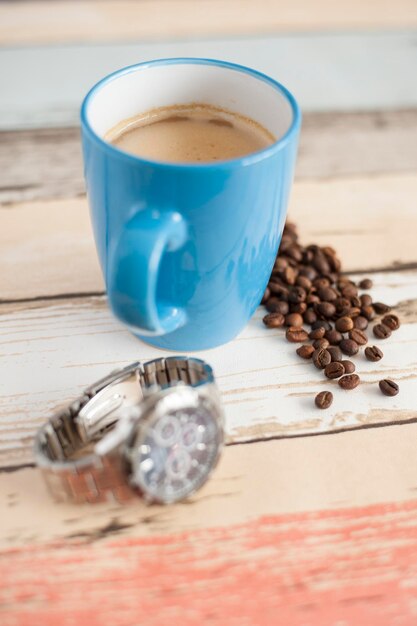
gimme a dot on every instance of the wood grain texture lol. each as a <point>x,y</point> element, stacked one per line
<point>327,72</point>
<point>343,567</point>
<point>43,164</point>
<point>41,22</point>
<point>46,163</point>
<point>50,351</point>
<point>49,244</point>
<point>266,478</point>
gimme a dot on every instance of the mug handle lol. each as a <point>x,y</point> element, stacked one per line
<point>133,268</point>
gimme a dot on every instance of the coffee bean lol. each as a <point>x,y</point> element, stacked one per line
<point>334,370</point>
<point>317,333</point>
<point>337,267</point>
<point>388,387</point>
<point>349,347</point>
<point>381,308</point>
<point>342,281</point>
<point>349,367</point>
<point>326,309</point>
<point>368,312</point>
<point>355,302</point>
<point>391,321</point>
<point>277,306</point>
<point>366,283</point>
<point>321,264</point>
<point>278,290</point>
<point>293,319</point>
<point>321,324</point>
<point>320,343</point>
<point>333,337</point>
<point>300,308</point>
<point>291,230</point>
<point>373,353</point>
<point>280,264</point>
<point>287,240</point>
<point>307,260</point>
<point>333,260</point>
<point>344,324</point>
<point>345,312</point>
<point>358,336</point>
<point>289,275</point>
<point>304,282</point>
<point>295,334</point>
<point>327,294</point>
<point>360,322</point>
<point>312,298</point>
<point>350,381</point>
<point>297,294</point>
<point>365,299</point>
<point>342,303</point>
<point>381,331</point>
<point>266,296</point>
<point>321,283</point>
<point>349,291</point>
<point>310,317</point>
<point>274,320</point>
<point>305,352</point>
<point>295,253</point>
<point>308,272</point>
<point>335,353</point>
<point>349,311</point>
<point>323,399</point>
<point>329,251</point>
<point>276,279</point>
<point>321,358</point>
<point>281,306</point>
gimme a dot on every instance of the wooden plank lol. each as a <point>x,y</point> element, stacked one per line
<point>42,164</point>
<point>49,244</point>
<point>46,163</point>
<point>343,567</point>
<point>50,249</point>
<point>342,144</point>
<point>286,477</point>
<point>327,72</point>
<point>51,351</point>
<point>43,22</point>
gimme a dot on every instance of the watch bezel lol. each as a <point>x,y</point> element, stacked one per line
<point>156,406</point>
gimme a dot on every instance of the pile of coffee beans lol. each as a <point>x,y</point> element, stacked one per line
<point>326,312</point>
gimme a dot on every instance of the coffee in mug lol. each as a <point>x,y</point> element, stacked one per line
<point>190,134</point>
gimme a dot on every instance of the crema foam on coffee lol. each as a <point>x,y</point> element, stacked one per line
<point>189,134</point>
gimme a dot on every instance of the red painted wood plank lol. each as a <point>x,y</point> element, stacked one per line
<point>335,568</point>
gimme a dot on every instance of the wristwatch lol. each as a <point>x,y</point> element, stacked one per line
<point>152,429</point>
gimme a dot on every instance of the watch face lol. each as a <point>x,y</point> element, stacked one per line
<point>175,453</point>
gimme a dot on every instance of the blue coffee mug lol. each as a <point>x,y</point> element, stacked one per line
<point>187,249</point>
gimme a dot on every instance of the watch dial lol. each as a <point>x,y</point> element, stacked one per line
<point>176,454</point>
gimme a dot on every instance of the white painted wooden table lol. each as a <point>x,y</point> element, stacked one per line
<point>293,529</point>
